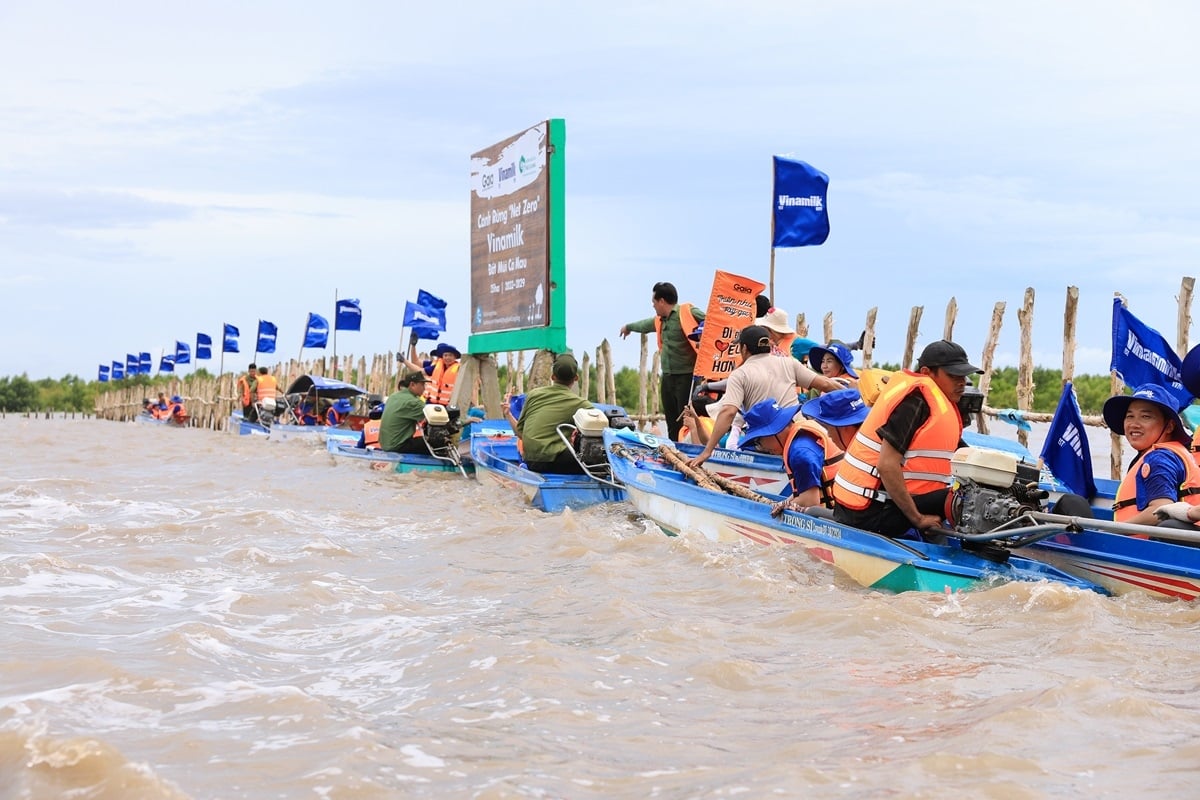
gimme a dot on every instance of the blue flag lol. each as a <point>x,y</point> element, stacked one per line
<point>203,347</point>
<point>103,376</point>
<point>183,353</point>
<point>131,364</point>
<point>145,364</point>
<point>230,340</point>
<point>1141,355</point>
<point>166,363</point>
<point>424,298</point>
<point>425,321</point>
<point>266,337</point>
<point>348,316</point>
<point>1066,452</point>
<point>316,331</point>
<point>801,216</point>
<point>118,371</point>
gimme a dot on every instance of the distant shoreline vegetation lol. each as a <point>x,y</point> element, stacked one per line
<point>72,393</point>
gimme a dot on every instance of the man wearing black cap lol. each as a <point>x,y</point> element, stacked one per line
<point>403,412</point>
<point>545,409</point>
<point>896,473</point>
<point>761,376</point>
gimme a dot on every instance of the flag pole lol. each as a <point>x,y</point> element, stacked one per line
<point>335,310</point>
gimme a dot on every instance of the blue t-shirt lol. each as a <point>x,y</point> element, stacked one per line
<point>806,461</point>
<point>1166,474</point>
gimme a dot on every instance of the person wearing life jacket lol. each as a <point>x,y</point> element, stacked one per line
<point>247,393</point>
<point>896,472</point>
<point>671,324</point>
<point>337,412</point>
<point>1163,472</point>
<point>176,411</point>
<point>835,362</point>
<point>266,386</point>
<point>161,409</point>
<point>782,335</point>
<point>306,410</point>
<point>369,438</point>
<point>811,443</point>
<point>760,376</point>
<point>442,372</point>
<point>698,423</point>
<point>402,423</point>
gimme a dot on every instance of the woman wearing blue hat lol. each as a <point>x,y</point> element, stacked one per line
<point>1164,472</point>
<point>812,448</point>
<point>834,362</point>
<point>337,412</point>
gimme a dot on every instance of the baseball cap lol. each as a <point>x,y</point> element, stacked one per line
<point>566,368</point>
<point>948,356</point>
<point>414,377</point>
<point>754,337</point>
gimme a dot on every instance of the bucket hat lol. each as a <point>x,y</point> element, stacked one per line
<point>838,351</point>
<point>1116,407</point>
<point>442,348</point>
<point>342,405</point>
<point>766,418</point>
<point>1191,371</point>
<point>843,407</point>
<point>776,319</point>
<point>801,347</point>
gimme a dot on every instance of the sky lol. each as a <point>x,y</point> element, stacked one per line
<point>168,167</point>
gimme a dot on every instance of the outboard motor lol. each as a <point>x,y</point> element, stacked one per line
<point>990,488</point>
<point>589,437</point>
<point>441,428</point>
<point>266,411</point>
<point>617,418</point>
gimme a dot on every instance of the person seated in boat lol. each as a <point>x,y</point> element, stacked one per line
<point>545,408</point>
<point>369,437</point>
<point>896,472</point>
<point>835,362</point>
<point>265,386</point>
<point>801,347</point>
<point>1163,472</point>
<point>176,411</point>
<point>146,407</point>
<point>778,330</point>
<point>761,376</point>
<point>400,427</point>
<point>811,442</point>
<point>338,411</point>
<point>160,408</point>
<point>305,409</point>
<point>697,420</point>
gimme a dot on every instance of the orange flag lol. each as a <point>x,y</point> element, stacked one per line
<point>730,308</point>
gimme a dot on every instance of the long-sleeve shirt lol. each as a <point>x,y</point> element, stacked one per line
<point>677,355</point>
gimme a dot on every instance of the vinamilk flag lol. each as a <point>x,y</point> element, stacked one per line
<point>348,316</point>
<point>183,353</point>
<point>229,342</point>
<point>800,214</point>
<point>267,333</point>
<point>166,363</point>
<point>145,364</point>
<point>203,347</point>
<point>1140,355</point>
<point>316,331</point>
<point>103,376</point>
<point>118,371</point>
<point>1066,452</point>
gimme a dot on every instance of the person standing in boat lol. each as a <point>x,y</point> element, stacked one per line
<point>761,376</point>
<point>812,443</point>
<point>266,386</point>
<point>247,389</point>
<point>442,374</point>
<point>403,413</point>
<point>1163,472</point>
<point>671,323</point>
<point>545,408</point>
<point>896,472</point>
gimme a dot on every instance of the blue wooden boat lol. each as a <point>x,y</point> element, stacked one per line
<point>494,451</point>
<point>678,506</point>
<point>382,460</point>
<point>240,426</point>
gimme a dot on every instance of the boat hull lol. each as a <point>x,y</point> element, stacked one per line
<point>383,461</point>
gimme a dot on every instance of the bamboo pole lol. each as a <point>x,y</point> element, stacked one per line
<point>610,380</point>
<point>951,318</point>
<point>910,338</point>
<point>1069,318</point>
<point>868,344</point>
<point>1116,440</point>
<point>1185,314</point>
<point>1025,364</point>
<point>643,377</point>
<point>989,353</point>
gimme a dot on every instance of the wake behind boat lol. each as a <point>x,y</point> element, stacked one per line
<point>664,496</point>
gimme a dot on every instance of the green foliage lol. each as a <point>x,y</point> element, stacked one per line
<point>1091,390</point>
<point>18,394</point>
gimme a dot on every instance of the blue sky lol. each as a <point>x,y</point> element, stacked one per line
<point>167,167</point>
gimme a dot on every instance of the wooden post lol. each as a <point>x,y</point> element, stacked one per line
<point>643,378</point>
<point>1025,366</point>
<point>1069,314</point>
<point>610,381</point>
<point>989,352</point>
<point>801,325</point>
<point>868,344</point>
<point>585,376</point>
<point>910,339</point>
<point>1185,313</point>
<point>951,318</point>
<point>827,329</point>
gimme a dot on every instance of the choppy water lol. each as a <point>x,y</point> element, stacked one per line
<point>191,614</point>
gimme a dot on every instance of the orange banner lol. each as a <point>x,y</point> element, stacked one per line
<point>730,308</point>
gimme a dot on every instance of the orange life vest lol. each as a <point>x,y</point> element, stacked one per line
<point>179,413</point>
<point>1125,504</point>
<point>1196,444</point>
<point>833,456</point>
<point>371,433</point>
<point>705,426</point>
<point>687,321</point>
<point>440,385</point>
<point>926,464</point>
<point>243,384</point>
<point>266,387</point>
